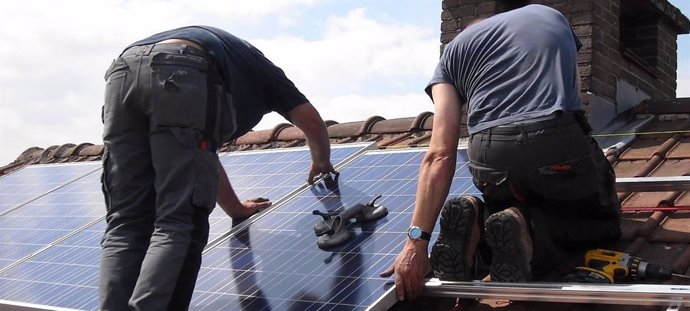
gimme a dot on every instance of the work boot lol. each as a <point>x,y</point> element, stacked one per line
<point>453,255</point>
<point>507,235</point>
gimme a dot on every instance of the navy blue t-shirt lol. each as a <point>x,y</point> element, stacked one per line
<point>513,67</point>
<point>256,84</point>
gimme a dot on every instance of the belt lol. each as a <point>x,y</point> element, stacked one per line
<point>182,45</point>
<point>567,118</point>
<point>183,41</point>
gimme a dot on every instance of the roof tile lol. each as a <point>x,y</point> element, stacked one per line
<point>673,229</point>
<point>641,149</point>
<point>255,137</point>
<point>346,130</point>
<point>681,150</point>
<point>402,125</point>
<point>289,132</point>
<point>391,140</point>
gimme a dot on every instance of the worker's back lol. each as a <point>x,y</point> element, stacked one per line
<point>513,66</point>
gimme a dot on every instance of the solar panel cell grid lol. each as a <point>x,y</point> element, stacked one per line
<point>43,221</point>
<point>268,174</point>
<point>66,273</point>
<point>33,181</point>
<point>275,264</point>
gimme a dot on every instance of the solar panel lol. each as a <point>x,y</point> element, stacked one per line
<point>66,273</point>
<point>273,263</point>
<point>51,217</point>
<point>35,180</point>
<point>272,174</point>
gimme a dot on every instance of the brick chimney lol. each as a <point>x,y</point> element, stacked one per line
<point>629,48</point>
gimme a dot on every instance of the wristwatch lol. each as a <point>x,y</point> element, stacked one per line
<point>416,233</point>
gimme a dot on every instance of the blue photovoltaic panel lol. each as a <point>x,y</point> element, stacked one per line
<point>64,275</point>
<point>269,174</point>
<point>274,262</point>
<point>34,180</point>
<point>49,218</point>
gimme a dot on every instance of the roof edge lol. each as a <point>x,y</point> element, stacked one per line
<point>668,106</point>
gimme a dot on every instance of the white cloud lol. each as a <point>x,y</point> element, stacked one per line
<point>355,55</point>
<point>353,107</point>
<point>241,9</point>
<point>54,54</point>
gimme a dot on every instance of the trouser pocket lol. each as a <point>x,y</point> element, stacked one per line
<point>494,185</point>
<point>113,114</point>
<point>205,180</point>
<point>569,180</point>
<point>179,90</point>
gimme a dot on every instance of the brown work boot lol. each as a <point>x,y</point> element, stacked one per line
<point>453,255</point>
<point>508,236</point>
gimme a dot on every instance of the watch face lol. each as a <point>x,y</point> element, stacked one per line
<point>415,233</point>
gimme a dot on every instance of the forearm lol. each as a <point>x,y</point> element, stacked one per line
<point>307,119</point>
<point>226,197</point>
<point>438,167</point>
<point>319,143</point>
<point>435,177</point>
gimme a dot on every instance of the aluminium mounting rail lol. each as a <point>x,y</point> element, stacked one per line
<point>671,296</point>
<point>651,184</point>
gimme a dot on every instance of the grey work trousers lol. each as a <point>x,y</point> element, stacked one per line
<point>160,176</point>
<point>557,175</point>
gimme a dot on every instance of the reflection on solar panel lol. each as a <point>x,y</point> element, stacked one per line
<point>274,263</point>
<point>31,182</point>
<point>269,174</point>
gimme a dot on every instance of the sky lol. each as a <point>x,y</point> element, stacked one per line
<point>353,59</point>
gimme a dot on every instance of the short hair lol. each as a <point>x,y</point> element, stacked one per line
<point>508,5</point>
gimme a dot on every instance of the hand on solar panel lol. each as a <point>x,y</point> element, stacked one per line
<point>409,270</point>
<point>307,119</point>
<point>253,206</point>
<point>320,170</point>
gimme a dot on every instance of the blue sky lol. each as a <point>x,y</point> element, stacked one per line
<point>352,58</point>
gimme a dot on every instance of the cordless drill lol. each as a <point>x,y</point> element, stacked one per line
<point>620,266</point>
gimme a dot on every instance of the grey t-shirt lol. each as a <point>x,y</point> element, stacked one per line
<point>512,67</point>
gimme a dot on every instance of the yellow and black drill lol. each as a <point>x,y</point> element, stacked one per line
<point>606,266</point>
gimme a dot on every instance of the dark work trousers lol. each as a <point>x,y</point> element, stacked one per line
<point>160,175</point>
<point>557,175</point>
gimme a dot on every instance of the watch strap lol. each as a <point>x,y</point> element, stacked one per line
<point>425,236</point>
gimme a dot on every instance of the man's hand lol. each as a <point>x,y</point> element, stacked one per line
<point>307,119</point>
<point>318,169</point>
<point>410,268</point>
<point>251,207</point>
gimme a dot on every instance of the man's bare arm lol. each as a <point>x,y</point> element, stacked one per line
<point>231,204</point>
<point>307,119</point>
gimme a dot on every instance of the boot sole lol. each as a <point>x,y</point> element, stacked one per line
<point>509,263</point>
<point>448,253</point>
